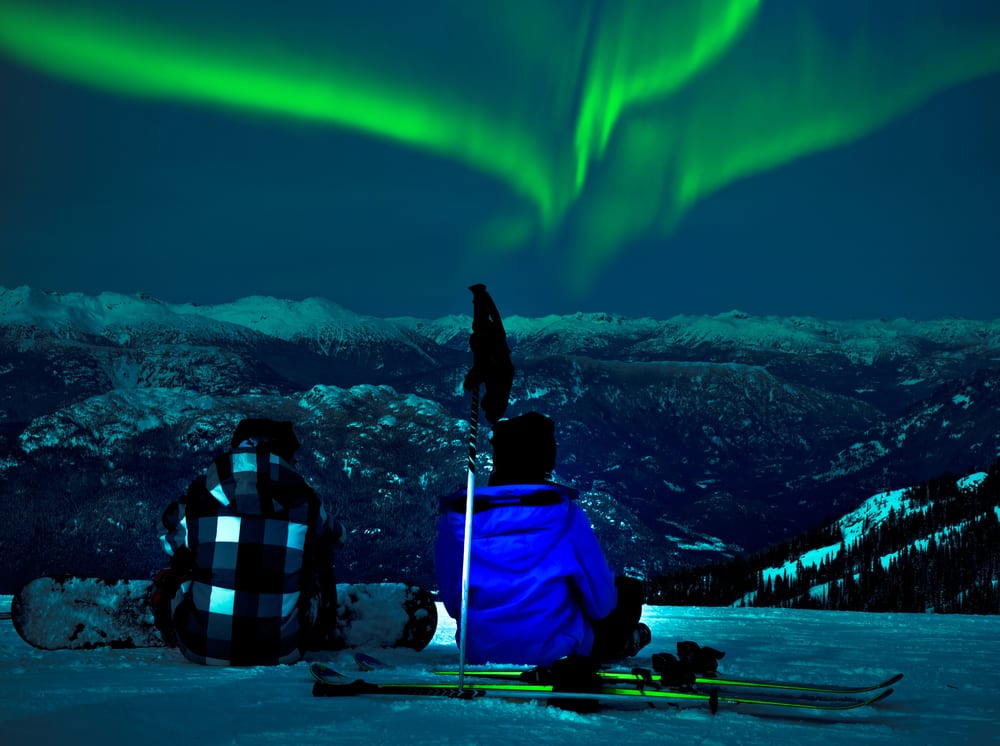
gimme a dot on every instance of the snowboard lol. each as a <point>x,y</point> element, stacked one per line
<point>57,612</point>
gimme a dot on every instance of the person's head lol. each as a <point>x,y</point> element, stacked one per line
<point>524,450</point>
<point>279,436</point>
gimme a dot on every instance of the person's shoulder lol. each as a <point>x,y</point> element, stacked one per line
<point>570,493</point>
<point>532,489</point>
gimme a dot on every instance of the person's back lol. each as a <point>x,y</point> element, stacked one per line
<point>538,579</point>
<point>539,585</point>
<point>250,539</point>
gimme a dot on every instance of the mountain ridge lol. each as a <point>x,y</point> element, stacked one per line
<point>690,438</point>
<point>285,318</point>
<point>933,546</point>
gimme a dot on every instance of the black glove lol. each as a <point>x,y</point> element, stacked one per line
<point>699,659</point>
<point>691,659</point>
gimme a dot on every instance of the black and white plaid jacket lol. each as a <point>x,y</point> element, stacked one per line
<point>254,533</point>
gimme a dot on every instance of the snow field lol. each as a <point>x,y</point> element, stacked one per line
<point>950,694</point>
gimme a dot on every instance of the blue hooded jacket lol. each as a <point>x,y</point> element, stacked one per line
<point>538,578</point>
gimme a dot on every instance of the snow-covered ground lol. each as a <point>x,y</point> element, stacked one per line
<point>951,693</point>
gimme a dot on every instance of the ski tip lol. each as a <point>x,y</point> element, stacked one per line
<point>880,696</point>
<point>892,680</point>
<point>325,674</point>
<point>349,688</point>
<point>369,663</point>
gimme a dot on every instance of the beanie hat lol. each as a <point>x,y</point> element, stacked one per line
<point>524,449</point>
<point>279,436</point>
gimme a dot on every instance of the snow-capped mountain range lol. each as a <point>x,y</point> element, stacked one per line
<point>690,438</point>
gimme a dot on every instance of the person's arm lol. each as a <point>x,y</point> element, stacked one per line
<point>329,528</point>
<point>173,529</point>
<point>593,577</point>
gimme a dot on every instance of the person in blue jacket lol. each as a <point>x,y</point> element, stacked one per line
<point>540,587</point>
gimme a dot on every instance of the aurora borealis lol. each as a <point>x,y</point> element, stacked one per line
<point>577,147</point>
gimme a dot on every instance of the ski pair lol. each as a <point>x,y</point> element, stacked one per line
<point>642,677</point>
<point>330,683</point>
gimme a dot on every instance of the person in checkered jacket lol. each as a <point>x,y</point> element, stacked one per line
<point>251,578</point>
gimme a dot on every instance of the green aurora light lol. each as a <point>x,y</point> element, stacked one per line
<point>610,120</point>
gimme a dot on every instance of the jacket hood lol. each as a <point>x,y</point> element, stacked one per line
<point>521,523</point>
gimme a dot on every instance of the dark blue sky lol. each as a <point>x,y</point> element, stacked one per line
<point>190,200</point>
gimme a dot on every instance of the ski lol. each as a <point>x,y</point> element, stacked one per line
<point>325,674</point>
<point>644,677</point>
<point>322,672</point>
<point>367,662</point>
<point>330,683</point>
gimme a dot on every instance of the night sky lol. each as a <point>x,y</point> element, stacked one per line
<point>792,157</point>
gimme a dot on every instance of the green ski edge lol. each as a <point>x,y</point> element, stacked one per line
<point>332,684</point>
<point>643,677</point>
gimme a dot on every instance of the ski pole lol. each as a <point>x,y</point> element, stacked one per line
<point>467,544</point>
